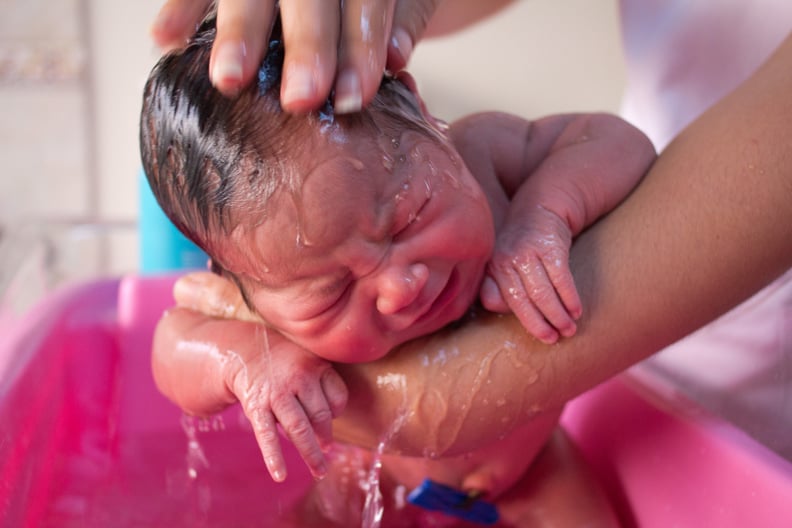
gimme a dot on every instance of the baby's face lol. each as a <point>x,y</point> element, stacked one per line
<point>387,241</point>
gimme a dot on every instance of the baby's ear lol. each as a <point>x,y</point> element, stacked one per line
<point>409,81</point>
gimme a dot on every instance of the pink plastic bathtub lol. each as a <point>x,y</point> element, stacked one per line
<point>86,440</point>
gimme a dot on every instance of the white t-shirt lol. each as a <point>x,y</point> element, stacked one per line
<point>682,56</point>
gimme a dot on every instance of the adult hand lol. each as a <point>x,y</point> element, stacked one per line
<point>328,44</point>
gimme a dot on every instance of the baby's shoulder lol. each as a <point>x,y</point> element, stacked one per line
<point>484,127</point>
<point>489,140</point>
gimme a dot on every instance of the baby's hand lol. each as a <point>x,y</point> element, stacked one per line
<point>280,383</point>
<point>529,275</point>
<point>288,385</point>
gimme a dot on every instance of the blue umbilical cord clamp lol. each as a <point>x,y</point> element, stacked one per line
<point>433,496</point>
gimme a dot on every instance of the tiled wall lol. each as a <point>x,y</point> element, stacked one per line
<point>43,103</point>
<point>72,71</point>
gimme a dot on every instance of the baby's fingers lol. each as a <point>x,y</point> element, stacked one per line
<point>298,427</point>
<point>268,439</point>
<point>323,401</point>
<point>561,276</point>
<point>539,300</point>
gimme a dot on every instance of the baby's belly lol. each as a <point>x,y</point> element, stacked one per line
<point>492,469</point>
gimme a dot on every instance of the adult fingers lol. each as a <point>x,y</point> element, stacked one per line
<point>362,52</point>
<point>410,19</point>
<point>310,38</point>
<point>243,30</point>
<point>176,21</point>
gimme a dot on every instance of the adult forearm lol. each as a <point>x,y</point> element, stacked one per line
<point>709,226</point>
<point>455,15</point>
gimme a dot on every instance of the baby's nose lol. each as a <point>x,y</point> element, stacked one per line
<point>400,286</point>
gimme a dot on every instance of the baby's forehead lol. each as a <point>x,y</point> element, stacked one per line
<point>347,193</point>
<point>334,197</point>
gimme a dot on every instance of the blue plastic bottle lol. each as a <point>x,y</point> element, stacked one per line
<point>162,247</point>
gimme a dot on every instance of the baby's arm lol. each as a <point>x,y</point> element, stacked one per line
<point>275,381</point>
<point>559,174</point>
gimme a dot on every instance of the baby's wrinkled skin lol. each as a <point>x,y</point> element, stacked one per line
<point>391,238</point>
<point>371,253</point>
<point>350,236</point>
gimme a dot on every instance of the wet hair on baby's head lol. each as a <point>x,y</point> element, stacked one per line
<point>209,159</point>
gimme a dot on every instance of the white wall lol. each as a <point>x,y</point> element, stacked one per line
<point>69,148</point>
<point>535,57</point>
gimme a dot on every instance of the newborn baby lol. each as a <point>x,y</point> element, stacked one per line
<point>349,235</point>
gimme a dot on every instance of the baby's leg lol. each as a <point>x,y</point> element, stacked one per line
<point>339,499</point>
<point>559,489</point>
<point>501,465</point>
<point>533,480</point>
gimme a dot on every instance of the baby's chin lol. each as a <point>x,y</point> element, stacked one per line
<point>374,345</point>
<point>356,351</point>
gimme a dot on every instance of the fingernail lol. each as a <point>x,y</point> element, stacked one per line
<point>549,339</point>
<point>227,67</point>
<point>320,472</point>
<point>325,444</point>
<point>570,330</point>
<point>299,85</point>
<point>348,98</point>
<point>277,474</point>
<point>403,44</point>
